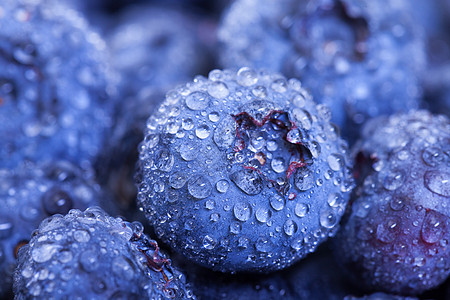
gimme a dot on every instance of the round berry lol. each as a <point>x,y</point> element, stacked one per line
<point>243,171</point>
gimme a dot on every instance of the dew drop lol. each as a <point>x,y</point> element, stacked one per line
<point>277,202</point>
<point>397,203</point>
<point>82,236</point>
<point>438,182</point>
<point>187,124</point>
<point>199,187</point>
<point>262,214</point>
<point>122,267</point>
<point>328,218</point>
<point>235,228</point>
<point>393,180</point>
<point>197,101</point>
<point>209,242</point>
<point>89,260</point>
<point>263,245</point>
<point>202,132</point>
<point>247,77</point>
<point>225,133</point>
<point>335,161</point>
<point>44,252</point>
<point>388,231</point>
<point>214,116</point>
<point>248,180</point>
<point>6,227</point>
<point>432,156</point>
<point>164,160</point>
<point>278,164</point>
<point>434,227</point>
<point>177,180</point>
<point>301,209</point>
<point>304,179</point>
<point>222,186</point>
<point>242,211</point>
<point>188,151</point>
<point>290,227</point>
<point>218,89</point>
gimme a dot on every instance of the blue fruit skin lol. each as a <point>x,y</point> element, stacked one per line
<point>94,256</point>
<point>31,193</point>
<point>56,89</point>
<point>395,235</point>
<point>346,53</point>
<point>242,171</point>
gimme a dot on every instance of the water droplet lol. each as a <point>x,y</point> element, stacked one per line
<point>248,180</point>
<point>393,180</point>
<point>235,227</point>
<point>279,85</point>
<point>328,218</point>
<point>188,151</point>
<point>314,148</point>
<point>301,209</point>
<point>303,117</point>
<point>298,100</point>
<point>214,217</point>
<point>225,133</point>
<point>397,203</point>
<point>277,202</point>
<point>202,132</point>
<point>164,160</point>
<point>177,180</point>
<point>433,156</point>
<point>388,231</point>
<point>197,101</point>
<point>210,204</point>
<point>209,242</point>
<point>218,89</point>
<point>335,161</point>
<point>82,236</point>
<point>336,200</point>
<point>56,201</point>
<point>263,245</point>
<point>242,211</point>
<point>257,140</point>
<point>434,227</point>
<point>271,145</point>
<point>44,252</point>
<point>199,187</point>
<point>438,182</point>
<point>222,186</point>
<point>290,227</point>
<point>214,117</point>
<point>278,164</point>
<point>262,214</point>
<point>247,77</point>
<point>65,256</point>
<point>89,260</point>
<point>304,179</point>
<point>259,91</point>
<point>187,124</point>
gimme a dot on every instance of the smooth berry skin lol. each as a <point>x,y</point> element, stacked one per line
<point>90,254</point>
<point>395,235</point>
<point>242,171</point>
<point>29,194</point>
<point>56,88</point>
<point>346,52</point>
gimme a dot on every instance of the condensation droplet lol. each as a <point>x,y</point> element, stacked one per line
<point>438,182</point>
<point>202,131</point>
<point>209,242</point>
<point>44,252</point>
<point>242,211</point>
<point>222,186</point>
<point>262,214</point>
<point>290,227</point>
<point>247,77</point>
<point>393,180</point>
<point>82,236</point>
<point>277,202</point>
<point>434,227</point>
<point>177,180</point>
<point>197,101</point>
<point>199,187</point>
<point>335,161</point>
<point>218,89</point>
<point>248,180</point>
<point>328,218</point>
<point>214,116</point>
<point>304,179</point>
<point>278,164</point>
<point>301,209</point>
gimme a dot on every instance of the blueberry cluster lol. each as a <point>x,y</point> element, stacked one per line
<point>230,149</point>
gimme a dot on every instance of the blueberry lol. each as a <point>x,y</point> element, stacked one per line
<point>31,193</point>
<point>361,58</point>
<point>153,54</point>
<point>395,236</point>
<point>55,86</point>
<point>242,171</point>
<point>91,255</point>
